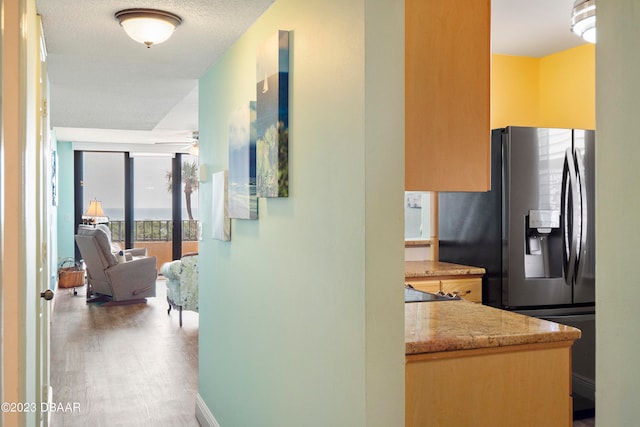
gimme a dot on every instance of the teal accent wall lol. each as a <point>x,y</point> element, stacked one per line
<point>66,226</point>
<point>302,313</point>
<point>617,207</point>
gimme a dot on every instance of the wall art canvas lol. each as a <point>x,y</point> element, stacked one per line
<point>243,201</point>
<point>54,178</point>
<point>220,221</point>
<point>272,94</point>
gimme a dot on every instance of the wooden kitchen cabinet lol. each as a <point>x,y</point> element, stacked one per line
<point>474,365</point>
<point>425,285</point>
<point>499,387</point>
<point>447,95</point>
<point>469,288</point>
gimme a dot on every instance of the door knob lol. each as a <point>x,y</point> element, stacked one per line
<point>48,294</point>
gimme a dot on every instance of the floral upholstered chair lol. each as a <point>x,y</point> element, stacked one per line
<point>182,283</point>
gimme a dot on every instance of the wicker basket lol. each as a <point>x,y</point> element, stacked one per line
<point>70,275</point>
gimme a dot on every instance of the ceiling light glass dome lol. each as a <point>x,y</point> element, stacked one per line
<point>148,26</point>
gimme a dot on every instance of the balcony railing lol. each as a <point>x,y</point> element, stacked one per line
<point>154,230</point>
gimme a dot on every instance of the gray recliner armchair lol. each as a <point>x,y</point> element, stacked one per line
<point>131,277</point>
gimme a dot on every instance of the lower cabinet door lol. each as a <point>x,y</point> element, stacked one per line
<point>469,289</point>
<point>425,285</point>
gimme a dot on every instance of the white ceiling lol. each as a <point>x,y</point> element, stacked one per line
<point>533,28</point>
<point>101,79</point>
<point>105,89</point>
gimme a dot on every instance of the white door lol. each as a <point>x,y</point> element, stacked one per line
<point>45,184</point>
<point>24,268</point>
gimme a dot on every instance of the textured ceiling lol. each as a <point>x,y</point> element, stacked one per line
<point>104,87</point>
<point>100,78</point>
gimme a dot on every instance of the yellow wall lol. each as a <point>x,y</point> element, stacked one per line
<point>515,91</point>
<point>568,84</point>
<point>554,91</point>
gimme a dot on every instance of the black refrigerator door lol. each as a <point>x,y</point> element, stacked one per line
<point>533,160</point>
<point>585,278</point>
<point>515,230</point>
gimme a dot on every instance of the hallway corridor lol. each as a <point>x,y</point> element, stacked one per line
<point>124,365</point>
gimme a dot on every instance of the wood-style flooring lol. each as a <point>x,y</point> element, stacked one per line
<point>586,422</point>
<point>128,365</point>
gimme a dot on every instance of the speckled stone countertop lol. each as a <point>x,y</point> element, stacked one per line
<point>436,268</point>
<point>431,327</point>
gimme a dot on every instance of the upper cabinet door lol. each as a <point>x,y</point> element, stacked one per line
<point>447,95</point>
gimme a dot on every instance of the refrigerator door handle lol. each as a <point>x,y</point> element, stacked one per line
<point>582,227</point>
<point>570,193</point>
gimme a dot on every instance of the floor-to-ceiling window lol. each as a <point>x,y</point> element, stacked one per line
<point>144,185</point>
<point>103,180</point>
<point>190,208</point>
<point>152,205</point>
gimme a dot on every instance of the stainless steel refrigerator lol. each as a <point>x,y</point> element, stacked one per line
<point>534,234</point>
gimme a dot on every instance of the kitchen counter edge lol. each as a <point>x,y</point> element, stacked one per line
<point>438,268</point>
<point>432,327</point>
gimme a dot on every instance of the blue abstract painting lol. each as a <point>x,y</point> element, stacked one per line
<point>272,94</point>
<point>243,201</point>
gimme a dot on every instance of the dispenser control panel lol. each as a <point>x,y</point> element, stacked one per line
<point>544,219</point>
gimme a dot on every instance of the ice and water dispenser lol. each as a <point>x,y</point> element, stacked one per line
<point>543,244</point>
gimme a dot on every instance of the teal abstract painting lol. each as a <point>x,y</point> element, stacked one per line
<point>272,125</point>
<point>243,201</point>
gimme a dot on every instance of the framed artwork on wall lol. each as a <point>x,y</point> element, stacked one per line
<point>54,178</point>
<point>272,126</point>
<point>243,201</point>
<point>220,221</point>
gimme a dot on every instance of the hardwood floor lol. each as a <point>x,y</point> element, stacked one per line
<point>587,422</point>
<point>126,365</point>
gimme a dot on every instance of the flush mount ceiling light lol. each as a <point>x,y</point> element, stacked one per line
<point>583,19</point>
<point>148,26</point>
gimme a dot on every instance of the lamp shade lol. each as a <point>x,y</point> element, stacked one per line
<point>583,19</point>
<point>148,26</point>
<point>94,213</point>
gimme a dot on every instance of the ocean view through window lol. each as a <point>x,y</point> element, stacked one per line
<point>104,180</point>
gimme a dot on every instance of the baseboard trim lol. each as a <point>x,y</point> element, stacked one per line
<point>203,414</point>
<point>584,386</point>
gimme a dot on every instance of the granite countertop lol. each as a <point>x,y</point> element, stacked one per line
<point>436,268</point>
<point>431,327</point>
